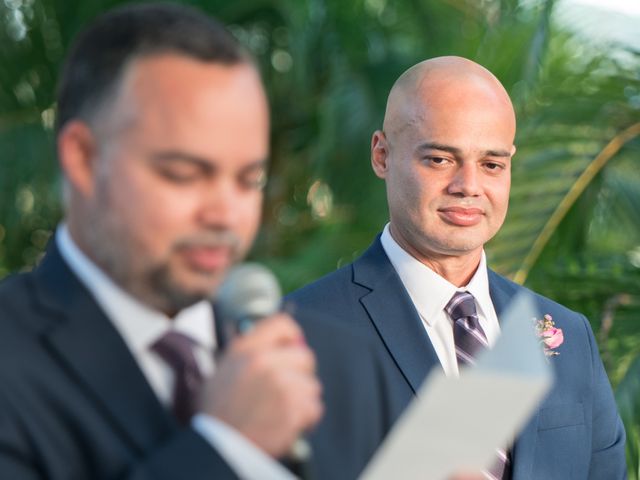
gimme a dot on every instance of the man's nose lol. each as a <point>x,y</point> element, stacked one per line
<point>220,203</point>
<point>466,181</point>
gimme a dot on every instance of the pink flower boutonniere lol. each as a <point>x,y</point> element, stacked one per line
<point>550,336</point>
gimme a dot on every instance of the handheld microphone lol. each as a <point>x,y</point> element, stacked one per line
<point>249,293</point>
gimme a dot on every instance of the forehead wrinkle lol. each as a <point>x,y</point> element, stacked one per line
<point>430,83</point>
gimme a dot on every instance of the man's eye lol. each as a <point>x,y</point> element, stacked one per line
<point>254,180</point>
<point>178,175</point>
<point>494,166</point>
<point>437,160</point>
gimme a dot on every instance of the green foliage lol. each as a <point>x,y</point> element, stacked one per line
<point>328,66</point>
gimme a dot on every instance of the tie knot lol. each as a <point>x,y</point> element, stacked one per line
<point>176,349</point>
<point>468,335</point>
<point>462,305</point>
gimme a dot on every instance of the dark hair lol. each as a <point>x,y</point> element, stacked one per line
<point>100,54</point>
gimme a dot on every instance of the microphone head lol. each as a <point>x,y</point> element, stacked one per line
<point>249,292</point>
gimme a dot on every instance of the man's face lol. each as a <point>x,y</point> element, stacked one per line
<point>179,175</point>
<point>449,170</point>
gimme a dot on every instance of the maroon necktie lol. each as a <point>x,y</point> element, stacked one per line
<point>177,350</point>
<point>470,340</point>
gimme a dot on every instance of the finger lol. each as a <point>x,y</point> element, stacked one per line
<point>310,411</point>
<point>303,400</point>
<point>288,358</point>
<point>279,329</point>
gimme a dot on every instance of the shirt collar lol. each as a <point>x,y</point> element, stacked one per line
<point>138,324</point>
<point>429,291</point>
<point>478,286</point>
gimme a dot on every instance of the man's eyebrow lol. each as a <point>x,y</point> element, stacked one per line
<point>201,162</point>
<point>178,156</point>
<point>497,153</point>
<point>456,151</point>
<point>439,146</point>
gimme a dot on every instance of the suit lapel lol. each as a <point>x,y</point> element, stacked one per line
<point>84,343</point>
<point>502,291</point>
<point>396,321</point>
<point>399,326</point>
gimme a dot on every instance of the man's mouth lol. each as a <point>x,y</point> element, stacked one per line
<point>461,216</point>
<point>208,259</point>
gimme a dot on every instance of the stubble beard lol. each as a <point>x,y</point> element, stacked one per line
<point>122,257</point>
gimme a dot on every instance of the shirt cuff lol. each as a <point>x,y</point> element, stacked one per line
<point>246,459</point>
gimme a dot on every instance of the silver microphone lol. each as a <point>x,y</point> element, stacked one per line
<point>249,293</point>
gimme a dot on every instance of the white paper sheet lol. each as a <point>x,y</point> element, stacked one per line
<point>456,424</point>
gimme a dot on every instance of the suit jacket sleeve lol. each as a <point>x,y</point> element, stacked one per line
<point>186,455</point>
<point>608,442</point>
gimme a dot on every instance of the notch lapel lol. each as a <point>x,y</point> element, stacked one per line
<point>394,316</point>
<point>502,291</point>
<point>85,344</point>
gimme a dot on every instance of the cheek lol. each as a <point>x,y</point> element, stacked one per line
<point>404,187</point>
<point>409,196</point>
<point>155,217</point>
<point>503,197</point>
<point>500,200</point>
<point>421,192</point>
<point>249,216</point>
<point>163,210</point>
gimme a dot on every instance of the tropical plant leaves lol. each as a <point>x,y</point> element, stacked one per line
<point>328,66</point>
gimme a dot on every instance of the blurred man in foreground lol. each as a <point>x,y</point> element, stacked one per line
<point>106,349</point>
<point>423,290</point>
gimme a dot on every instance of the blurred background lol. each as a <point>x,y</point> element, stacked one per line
<point>572,68</point>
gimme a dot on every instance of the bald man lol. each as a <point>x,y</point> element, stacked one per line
<point>445,155</point>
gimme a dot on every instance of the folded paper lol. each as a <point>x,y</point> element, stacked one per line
<point>456,424</point>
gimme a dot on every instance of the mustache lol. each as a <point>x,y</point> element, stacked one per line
<point>211,239</point>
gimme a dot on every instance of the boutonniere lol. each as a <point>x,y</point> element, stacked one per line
<point>550,336</point>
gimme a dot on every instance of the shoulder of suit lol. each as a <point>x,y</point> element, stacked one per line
<point>338,279</point>
<point>20,325</point>
<point>22,317</point>
<point>13,292</point>
<point>545,304</point>
<point>343,279</point>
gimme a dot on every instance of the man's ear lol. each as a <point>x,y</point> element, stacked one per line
<point>77,151</point>
<point>379,154</point>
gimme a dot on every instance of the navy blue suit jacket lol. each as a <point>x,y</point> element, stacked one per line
<point>575,434</point>
<point>74,404</point>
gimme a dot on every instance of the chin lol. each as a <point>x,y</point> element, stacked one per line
<point>203,283</point>
<point>182,288</point>
<point>458,247</point>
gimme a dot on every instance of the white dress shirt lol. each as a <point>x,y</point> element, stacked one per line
<point>140,326</point>
<point>430,293</point>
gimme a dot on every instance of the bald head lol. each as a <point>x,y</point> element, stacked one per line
<point>447,82</point>
<point>445,156</point>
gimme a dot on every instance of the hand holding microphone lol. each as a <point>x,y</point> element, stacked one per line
<point>265,384</point>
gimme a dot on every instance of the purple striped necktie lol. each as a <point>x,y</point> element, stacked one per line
<point>176,349</point>
<point>470,340</point>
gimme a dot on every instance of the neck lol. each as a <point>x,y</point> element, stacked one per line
<point>138,290</point>
<point>457,269</point>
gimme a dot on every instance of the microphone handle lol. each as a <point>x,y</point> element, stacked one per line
<point>298,459</point>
